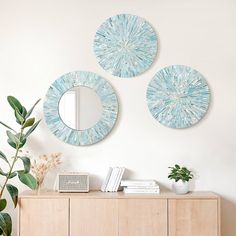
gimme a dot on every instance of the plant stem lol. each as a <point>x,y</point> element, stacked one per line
<point>7,177</point>
<point>11,166</point>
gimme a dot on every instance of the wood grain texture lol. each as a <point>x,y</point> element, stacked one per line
<point>106,195</point>
<point>142,217</point>
<point>219,216</point>
<point>113,214</point>
<point>94,217</point>
<point>193,217</point>
<point>48,217</point>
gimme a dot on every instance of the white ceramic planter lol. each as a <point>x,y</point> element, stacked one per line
<point>180,187</point>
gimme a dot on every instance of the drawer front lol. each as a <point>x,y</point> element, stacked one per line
<point>142,217</point>
<point>94,217</point>
<point>47,217</point>
<point>193,217</point>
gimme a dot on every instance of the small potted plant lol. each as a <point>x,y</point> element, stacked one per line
<point>181,177</point>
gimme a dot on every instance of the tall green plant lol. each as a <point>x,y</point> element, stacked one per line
<point>16,139</point>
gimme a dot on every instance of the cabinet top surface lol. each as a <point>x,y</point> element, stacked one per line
<point>117,195</point>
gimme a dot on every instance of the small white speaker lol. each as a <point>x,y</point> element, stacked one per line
<point>73,182</point>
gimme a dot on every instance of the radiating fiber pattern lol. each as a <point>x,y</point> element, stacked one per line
<point>125,45</point>
<point>178,96</point>
<point>102,127</point>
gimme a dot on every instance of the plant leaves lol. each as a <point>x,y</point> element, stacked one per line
<point>3,173</point>
<point>15,104</point>
<point>11,143</point>
<point>26,162</point>
<point>24,112</point>
<point>5,224</point>
<point>3,156</point>
<point>13,174</point>
<point>19,119</point>
<point>13,137</point>
<point>3,204</point>
<point>31,110</point>
<point>13,191</point>
<point>7,126</point>
<point>29,123</point>
<point>180,173</point>
<point>32,129</point>
<point>21,138</point>
<point>27,179</point>
<point>177,166</point>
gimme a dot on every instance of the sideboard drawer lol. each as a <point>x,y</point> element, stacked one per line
<point>44,217</point>
<point>94,217</point>
<point>195,217</point>
<point>142,217</point>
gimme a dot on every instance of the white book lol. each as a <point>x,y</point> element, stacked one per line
<point>150,191</point>
<point>115,178</point>
<point>143,187</point>
<point>140,183</point>
<point>106,180</point>
<point>111,180</point>
<point>121,172</point>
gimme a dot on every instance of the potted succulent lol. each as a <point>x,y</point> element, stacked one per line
<point>181,177</point>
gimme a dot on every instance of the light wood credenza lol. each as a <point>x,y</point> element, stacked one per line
<point>118,214</point>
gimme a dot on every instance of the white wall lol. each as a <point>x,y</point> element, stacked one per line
<point>41,40</point>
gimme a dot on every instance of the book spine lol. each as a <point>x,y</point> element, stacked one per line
<point>105,182</point>
<point>138,184</point>
<point>112,180</point>
<point>143,187</point>
<point>121,172</point>
<point>115,178</point>
<point>157,191</point>
<point>109,181</point>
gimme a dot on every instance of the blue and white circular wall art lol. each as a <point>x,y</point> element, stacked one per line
<point>125,45</point>
<point>178,96</point>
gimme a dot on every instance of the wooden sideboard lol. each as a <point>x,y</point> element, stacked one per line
<point>118,214</point>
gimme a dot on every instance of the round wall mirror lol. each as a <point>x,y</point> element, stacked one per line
<point>80,108</point>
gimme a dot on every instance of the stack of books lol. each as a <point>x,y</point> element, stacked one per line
<point>141,186</point>
<point>113,179</point>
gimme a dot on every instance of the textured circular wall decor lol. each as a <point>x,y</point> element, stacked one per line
<point>125,45</point>
<point>178,96</point>
<point>65,84</point>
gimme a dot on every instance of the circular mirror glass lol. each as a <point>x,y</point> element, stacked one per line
<point>80,108</point>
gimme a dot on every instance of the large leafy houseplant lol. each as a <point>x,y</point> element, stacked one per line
<point>16,139</point>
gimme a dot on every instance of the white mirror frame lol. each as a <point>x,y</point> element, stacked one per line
<point>108,99</point>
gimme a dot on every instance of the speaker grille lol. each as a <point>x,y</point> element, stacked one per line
<point>73,183</point>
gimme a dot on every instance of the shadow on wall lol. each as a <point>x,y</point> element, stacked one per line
<point>228,215</point>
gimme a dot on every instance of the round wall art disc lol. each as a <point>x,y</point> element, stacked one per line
<point>125,45</point>
<point>178,96</point>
